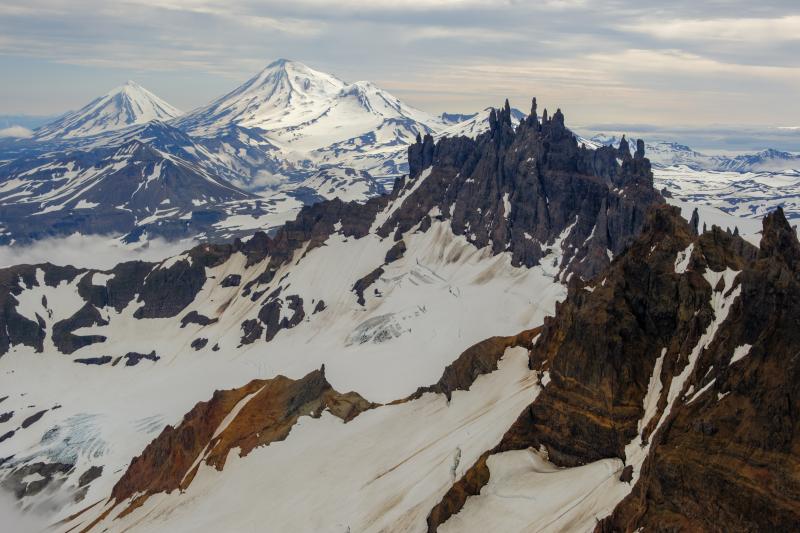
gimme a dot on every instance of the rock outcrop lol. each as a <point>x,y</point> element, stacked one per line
<point>257,414</point>
<point>522,191</point>
<point>709,317</point>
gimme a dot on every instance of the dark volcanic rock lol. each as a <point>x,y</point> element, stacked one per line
<point>199,344</point>
<point>133,358</point>
<point>86,316</point>
<point>726,458</point>
<point>231,280</point>
<point>94,360</point>
<point>31,420</point>
<point>16,329</point>
<point>92,473</point>
<point>364,283</point>
<point>518,191</point>
<point>47,472</point>
<point>193,317</point>
<point>167,291</point>
<point>252,330</point>
<point>270,314</point>
<point>395,252</point>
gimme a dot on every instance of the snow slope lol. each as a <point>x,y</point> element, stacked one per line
<point>424,306</point>
<point>121,107</point>
<point>316,118</point>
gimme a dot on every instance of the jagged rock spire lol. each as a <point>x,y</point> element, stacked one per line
<point>778,239</point>
<point>558,117</point>
<point>694,222</point>
<point>639,149</point>
<point>420,155</point>
<point>624,150</point>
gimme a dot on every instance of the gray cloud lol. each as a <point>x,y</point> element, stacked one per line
<point>682,62</point>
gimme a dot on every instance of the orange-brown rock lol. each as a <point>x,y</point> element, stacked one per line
<point>257,414</point>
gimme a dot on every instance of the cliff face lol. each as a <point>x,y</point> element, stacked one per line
<point>729,458</point>
<point>521,190</point>
<point>681,360</point>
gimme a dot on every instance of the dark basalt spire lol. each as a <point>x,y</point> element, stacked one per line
<point>779,240</point>
<point>694,222</point>
<point>518,189</point>
<point>558,117</point>
<point>533,117</point>
<point>420,155</point>
<point>624,149</point>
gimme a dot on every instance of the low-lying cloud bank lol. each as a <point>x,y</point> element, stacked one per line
<point>16,131</point>
<point>101,252</point>
<point>16,521</point>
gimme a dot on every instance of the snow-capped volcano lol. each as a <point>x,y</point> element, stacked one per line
<point>124,106</point>
<point>284,94</point>
<point>317,118</point>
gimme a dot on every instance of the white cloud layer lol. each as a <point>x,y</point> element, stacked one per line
<point>16,131</point>
<point>101,252</point>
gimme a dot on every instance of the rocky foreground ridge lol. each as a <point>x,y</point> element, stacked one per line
<point>681,360</point>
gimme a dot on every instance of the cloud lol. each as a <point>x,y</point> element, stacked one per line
<point>101,252</point>
<point>17,521</point>
<point>16,131</point>
<point>614,57</point>
<point>758,30</point>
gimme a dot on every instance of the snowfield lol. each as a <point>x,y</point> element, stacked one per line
<point>430,305</point>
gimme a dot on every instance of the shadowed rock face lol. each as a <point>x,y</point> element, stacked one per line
<point>726,458</point>
<point>518,190</point>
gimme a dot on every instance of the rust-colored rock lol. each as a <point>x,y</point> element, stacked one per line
<point>267,410</point>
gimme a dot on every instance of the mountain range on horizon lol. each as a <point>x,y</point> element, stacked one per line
<point>264,148</point>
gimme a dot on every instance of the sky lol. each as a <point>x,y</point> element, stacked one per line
<point>682,63</point>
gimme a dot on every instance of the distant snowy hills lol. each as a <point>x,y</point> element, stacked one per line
<point>665,153</point>
<point>123,106</point>
<point>733,192</point>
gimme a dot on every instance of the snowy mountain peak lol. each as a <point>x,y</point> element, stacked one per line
<point>123,106</point>
<point>305,110</point>
<point>283,94</point>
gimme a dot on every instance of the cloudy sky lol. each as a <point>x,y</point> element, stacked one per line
<point>677,63</point>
